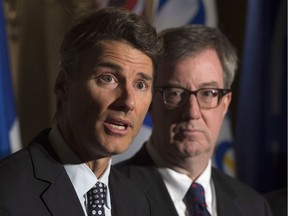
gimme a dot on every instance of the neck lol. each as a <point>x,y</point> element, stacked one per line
<point>192,166</point>
<point>98,166</point>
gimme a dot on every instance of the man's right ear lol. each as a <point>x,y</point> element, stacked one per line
<point>61,86</point>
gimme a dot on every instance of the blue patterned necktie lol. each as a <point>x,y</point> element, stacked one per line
<point>96,197</point>
<point>195,201</point>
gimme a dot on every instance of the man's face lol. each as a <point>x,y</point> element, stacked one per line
<point>188,131</point>
<point>105,103</point>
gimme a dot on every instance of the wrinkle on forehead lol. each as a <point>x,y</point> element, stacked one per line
<point>192,72</point>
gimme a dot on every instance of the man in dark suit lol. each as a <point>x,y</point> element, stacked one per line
<point>103,91</point>
<point>191,97</point>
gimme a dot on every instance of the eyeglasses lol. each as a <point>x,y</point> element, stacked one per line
<point>207,98</point>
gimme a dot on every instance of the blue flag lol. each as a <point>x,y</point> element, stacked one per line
<point>9,130</point>
<point>261,147</point>
<point>170,13</point>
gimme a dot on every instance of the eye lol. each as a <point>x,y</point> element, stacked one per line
<point>107,79</point>
<point>209,93</point>
<point>141,85</point>
<point>174,92</point>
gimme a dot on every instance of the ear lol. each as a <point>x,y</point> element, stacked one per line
<point>226,102</point>
<point>61,86</point>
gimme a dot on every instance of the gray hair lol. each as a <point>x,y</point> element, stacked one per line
<point>190,40</point>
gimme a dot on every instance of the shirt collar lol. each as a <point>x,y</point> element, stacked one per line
<point>81,176</point>
<point>178,183</point>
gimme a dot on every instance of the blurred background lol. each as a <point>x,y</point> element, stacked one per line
<point>252,145</point>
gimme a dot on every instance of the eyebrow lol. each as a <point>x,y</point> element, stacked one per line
<point>209,84</point>
<point>109,65</point>
<point>119,69</point>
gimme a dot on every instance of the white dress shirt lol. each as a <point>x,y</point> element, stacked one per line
<point>178,184</point>
<point>81,176</point>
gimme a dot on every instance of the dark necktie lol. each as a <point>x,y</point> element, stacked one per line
<point>195,201</point>
<point>96,197</point>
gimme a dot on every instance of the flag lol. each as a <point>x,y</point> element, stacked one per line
<point>175,13</point>
<point>136,6</point>
<point>261,127</point>
<point>9,125</point>
<point>224,153</point>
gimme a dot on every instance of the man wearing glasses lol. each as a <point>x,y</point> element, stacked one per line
<point>191,97</point>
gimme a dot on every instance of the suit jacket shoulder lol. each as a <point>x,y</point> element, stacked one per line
<point>236,198</point>
<point>126,199</point>
<point>34,182</point>
<point>277,200</point>
<point>140,169</point>
<point>233,198</point>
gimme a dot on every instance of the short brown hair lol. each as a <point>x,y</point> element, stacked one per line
<point>108,24</point>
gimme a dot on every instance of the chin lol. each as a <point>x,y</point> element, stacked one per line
<point>118,149</point>
<point>192,148</point>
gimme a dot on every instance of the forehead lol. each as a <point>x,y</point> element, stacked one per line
<point>122,50</point>
<point>118,54</point>
<point>192,71</point>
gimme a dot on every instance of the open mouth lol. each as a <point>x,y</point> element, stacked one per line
<point>117,125</point>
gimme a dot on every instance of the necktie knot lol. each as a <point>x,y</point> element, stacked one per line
<point>195,200</point>
<point>196,192</point>
<point>96,197</point>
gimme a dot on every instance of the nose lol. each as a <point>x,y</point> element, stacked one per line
<point>126,99</point>
<point>192,109</point>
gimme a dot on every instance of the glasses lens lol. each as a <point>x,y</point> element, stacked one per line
<point>208,98</point>
<point>174,96</point>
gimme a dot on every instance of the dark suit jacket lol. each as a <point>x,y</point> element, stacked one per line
<point>277,200</point>
<point>34,183</point>
<point>232,197</point>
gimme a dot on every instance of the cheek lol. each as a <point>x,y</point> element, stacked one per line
<point>144,102</point>
<point>214,124</point>
<point>142,108</point>
<point>75,100</point>
<point>165,123</point>
<point>84,103</point>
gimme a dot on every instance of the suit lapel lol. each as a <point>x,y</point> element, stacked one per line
<point>58,192</point>
<point>61,199</point>
<point>225,196</point>
<point>126,200</point>
<point>119,203</point>
<point>158,193</point>
<point>149,179</point>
